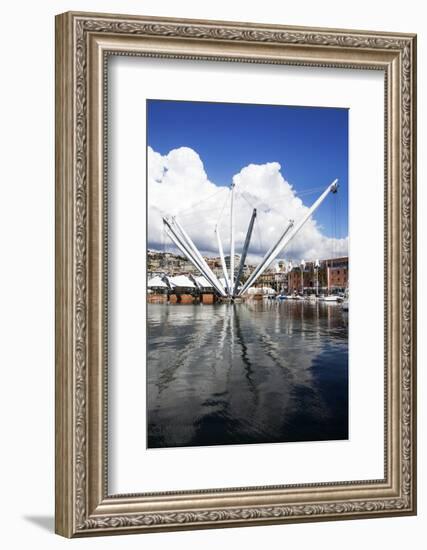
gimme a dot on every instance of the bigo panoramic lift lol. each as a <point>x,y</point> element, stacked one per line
<point>229,287</point>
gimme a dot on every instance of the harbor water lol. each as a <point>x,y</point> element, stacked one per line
<point>255,372</point>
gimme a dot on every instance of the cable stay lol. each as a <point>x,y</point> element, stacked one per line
<point>191,208</point>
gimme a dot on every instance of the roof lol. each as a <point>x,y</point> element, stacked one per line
<point>261,290</point>
<point>181,281</point>
<point>156,282</point>
<point>202,282</point>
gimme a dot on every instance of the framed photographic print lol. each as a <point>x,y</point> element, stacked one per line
<point>235,274</point>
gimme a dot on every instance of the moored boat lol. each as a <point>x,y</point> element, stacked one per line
<point>344,304</point>
<point>331,299</point>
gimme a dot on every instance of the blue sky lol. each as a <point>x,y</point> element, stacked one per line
<point>310,143</point>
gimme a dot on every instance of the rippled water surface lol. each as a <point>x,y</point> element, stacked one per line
<point>256,372</point>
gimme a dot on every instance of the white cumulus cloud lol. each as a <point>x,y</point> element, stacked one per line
<point>178,185</point>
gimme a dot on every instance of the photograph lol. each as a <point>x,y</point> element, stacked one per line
<point>235,271</point>
<point>248,271</point>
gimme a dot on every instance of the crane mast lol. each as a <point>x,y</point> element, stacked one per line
<point>232,241</point>
<point>221,255</point>
<point>245,251</point>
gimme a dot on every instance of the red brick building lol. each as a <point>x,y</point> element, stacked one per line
<point>337,277</point>
<point>295,280</point>
<point>332,275</point>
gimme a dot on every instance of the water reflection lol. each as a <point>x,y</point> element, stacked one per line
<point>255,372</point>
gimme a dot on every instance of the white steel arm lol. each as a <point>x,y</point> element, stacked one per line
<point>193,247</point>
<point>232,238</point>
<point>265,262</point>
<point>221,255</point>
<point>286,238</point>
<point>191,258</point>
<point>171,232</point>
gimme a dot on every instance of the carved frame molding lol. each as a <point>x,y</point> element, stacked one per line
<point>83,43</point>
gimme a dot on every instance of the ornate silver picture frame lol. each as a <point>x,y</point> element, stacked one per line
<point>84,43</point>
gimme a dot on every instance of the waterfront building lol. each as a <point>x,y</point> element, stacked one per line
<point>157,273</point>
<point>331,276</point>
<point>236,262</point>
<point>310,277</point>
<point>337,274</point>
<point>276,280</point>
